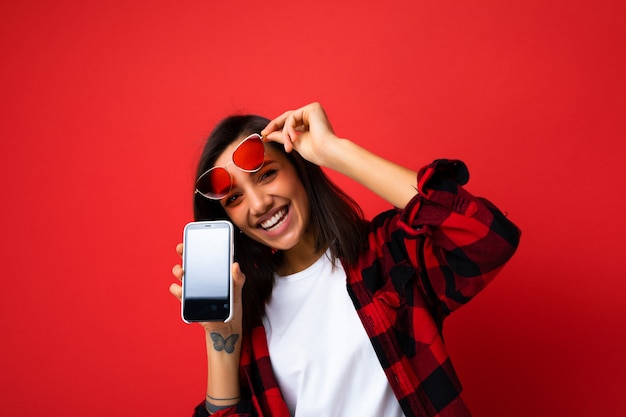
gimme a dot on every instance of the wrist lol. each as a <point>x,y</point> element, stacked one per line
<point>211,407</point>
<point>231,400</point>
<point>334,156</point>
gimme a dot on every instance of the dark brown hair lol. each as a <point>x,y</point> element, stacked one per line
<point>336,220</point>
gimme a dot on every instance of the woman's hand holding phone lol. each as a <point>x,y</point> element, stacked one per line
<point>223,341</point>
<point>239,279</point>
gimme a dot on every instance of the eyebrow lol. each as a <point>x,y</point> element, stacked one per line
<point>266,161</point>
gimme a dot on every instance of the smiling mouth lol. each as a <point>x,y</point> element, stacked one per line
<point>275,221</point>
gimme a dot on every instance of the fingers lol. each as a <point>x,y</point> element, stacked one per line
<point>177,271</point>
<point>286,128</point>
<point>275,125</point>
<point>238,277</point>
<point>279,135</point>
<point>176,290</point>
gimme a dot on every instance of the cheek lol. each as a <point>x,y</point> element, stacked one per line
<point>236,216</point>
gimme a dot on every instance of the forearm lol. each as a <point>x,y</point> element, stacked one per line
<point>394,183</point>
<point>223,356</point>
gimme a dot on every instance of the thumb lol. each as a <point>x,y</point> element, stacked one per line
<point>239,279</point>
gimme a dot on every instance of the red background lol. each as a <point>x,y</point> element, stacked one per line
<point>104,109</point>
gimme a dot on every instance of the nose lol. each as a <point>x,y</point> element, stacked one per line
<point>258,201</point>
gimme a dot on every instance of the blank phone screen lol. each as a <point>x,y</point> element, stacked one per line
<point>206,269</point>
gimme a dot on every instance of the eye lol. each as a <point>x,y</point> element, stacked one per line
<point>231,199</point>
<point>268,175</point>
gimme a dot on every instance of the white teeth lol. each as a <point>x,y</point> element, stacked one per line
<point>275,221</point>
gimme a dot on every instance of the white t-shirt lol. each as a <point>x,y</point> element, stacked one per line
<point>321,355</point>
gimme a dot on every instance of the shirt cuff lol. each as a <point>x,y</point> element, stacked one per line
<point>442,175</point>
<point>440,192</point>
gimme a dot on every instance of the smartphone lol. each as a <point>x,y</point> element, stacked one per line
<point>207,280</point>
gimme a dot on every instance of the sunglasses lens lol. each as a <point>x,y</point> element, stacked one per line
<point>215,183</point>
<point>249,155</point>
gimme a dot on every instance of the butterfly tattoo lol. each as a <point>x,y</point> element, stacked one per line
<point>228,344</point>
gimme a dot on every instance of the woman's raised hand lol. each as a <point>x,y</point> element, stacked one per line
<point>307,130</point>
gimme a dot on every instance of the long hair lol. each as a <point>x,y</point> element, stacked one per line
<point>336,220</point>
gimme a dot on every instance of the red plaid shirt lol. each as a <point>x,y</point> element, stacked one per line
<point>423,262</point>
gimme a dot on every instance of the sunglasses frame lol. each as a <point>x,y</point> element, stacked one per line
<point>249,137</point>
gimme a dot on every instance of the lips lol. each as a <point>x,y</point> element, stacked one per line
<point>275,221</point>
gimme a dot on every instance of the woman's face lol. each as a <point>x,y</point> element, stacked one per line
<point>270,205</point>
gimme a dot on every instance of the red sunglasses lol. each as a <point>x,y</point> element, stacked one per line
<point>248,156</point>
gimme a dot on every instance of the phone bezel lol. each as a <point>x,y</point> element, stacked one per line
<point>207,225</point>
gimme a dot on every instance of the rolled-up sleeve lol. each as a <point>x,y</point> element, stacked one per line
<point>458,242</point>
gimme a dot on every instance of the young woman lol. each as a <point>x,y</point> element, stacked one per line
<point>338,316</point>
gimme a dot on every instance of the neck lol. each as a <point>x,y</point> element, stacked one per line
<point>299,258</point>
